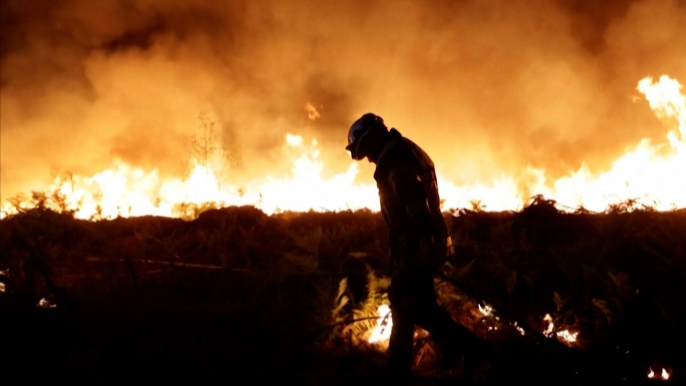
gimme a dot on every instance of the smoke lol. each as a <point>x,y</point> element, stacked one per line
<point>486,87</point>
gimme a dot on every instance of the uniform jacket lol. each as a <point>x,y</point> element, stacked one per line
<point>408,191</point>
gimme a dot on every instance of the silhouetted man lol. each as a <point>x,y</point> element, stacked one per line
<point>418,237</point>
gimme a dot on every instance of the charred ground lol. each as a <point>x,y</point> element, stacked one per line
<point>238,294</point>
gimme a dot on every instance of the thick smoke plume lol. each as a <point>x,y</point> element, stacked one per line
<point>487,87</point>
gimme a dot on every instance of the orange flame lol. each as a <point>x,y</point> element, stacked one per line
<point>650,175</point>
<point>382,332</point>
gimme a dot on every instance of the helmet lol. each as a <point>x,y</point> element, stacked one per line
<point>359,130</point>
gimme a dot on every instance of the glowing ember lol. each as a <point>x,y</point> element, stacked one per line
<point>312,112</point>
<point>2,287</point>
<point>566,336</point>
<point>420,333</point>
<point>486,310</point>
<point>549,331</point>
<point>649,175</point>
<point>521,330</point>
<point>44,303</point>
<point>382,331</point>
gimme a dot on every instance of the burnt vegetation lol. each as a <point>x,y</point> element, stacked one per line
<point>236,294</point>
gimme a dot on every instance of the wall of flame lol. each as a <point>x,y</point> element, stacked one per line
<point>154,102</point>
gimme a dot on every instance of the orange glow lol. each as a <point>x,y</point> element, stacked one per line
<point>649,174</point>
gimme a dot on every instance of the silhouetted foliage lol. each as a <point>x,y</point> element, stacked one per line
<point>290,295</point>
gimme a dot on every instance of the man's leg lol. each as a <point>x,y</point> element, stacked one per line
<point>450,336</point>
<point>403,307</point>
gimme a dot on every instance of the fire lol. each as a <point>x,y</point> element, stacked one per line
<point>519,329</point>
<point>486,310</point>
<point>665,374</point>
<point>549,331</point>
<point>384,325</point>
<point>44,303</point>
<point>565,336</point>
<point>125,191</point>
<point>650,175</point>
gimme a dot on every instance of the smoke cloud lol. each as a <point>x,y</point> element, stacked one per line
<point>487,87</point>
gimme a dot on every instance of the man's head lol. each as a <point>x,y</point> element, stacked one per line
<point>364,136</point>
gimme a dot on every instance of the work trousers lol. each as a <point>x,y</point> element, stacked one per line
<point>413,302</point>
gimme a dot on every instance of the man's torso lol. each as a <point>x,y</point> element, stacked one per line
<point>405,176</point>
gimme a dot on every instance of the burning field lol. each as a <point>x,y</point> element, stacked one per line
<point>176,201</point>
